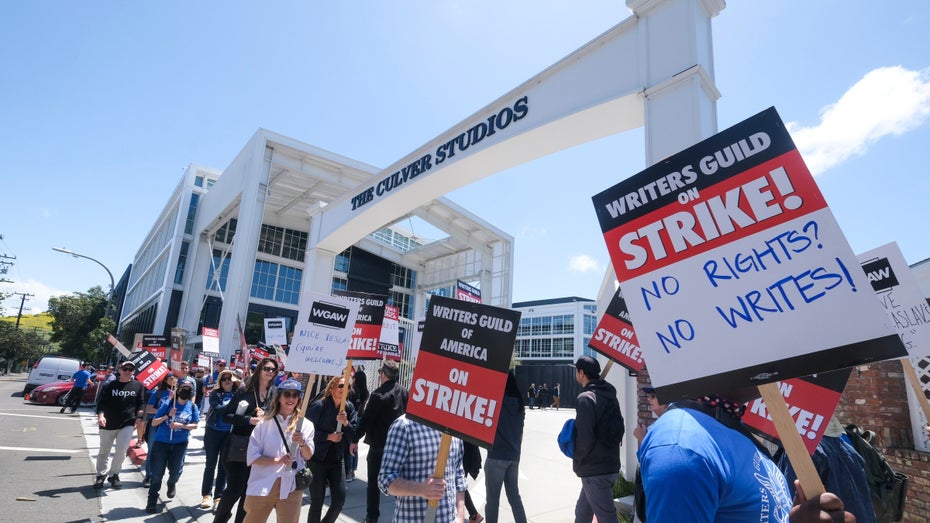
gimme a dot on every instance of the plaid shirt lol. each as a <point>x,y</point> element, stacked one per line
<point>410,453</point>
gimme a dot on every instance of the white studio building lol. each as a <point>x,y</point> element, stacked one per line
<point>233,244</point>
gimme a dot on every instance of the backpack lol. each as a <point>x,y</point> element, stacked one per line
<point>566,438</point>
<point>610,427</point>
<point>889,488</point>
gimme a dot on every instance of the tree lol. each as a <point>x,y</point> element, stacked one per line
<point>79,325</point>
<point>17,345</point>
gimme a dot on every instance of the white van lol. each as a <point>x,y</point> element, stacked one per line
<point>50,369</point>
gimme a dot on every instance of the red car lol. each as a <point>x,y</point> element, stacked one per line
<point>56,393</point>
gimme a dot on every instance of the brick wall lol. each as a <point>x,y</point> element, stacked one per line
<point>875,399</point>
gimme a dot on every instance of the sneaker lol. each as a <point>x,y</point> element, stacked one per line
<point>171,491</point>
<point>207,502</point>
<point>115,482</point>
<point>98,483</point>
<point>146,482</point>
<point>151,509</point>
<point>477,518</point>
<point>216,504</point>
<point>62,411</point>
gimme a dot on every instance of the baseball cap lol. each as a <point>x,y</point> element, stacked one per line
<point>291,385</point>
<point>127,363</point>
<point>221,362</point>
<point>187,382</point>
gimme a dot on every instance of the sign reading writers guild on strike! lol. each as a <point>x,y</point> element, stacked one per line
<point>458,382</point>
<point>322,335</point>
<point>614,336</point>
<point>367,332</point>
<point>734,270</point>
<point>149,369</point>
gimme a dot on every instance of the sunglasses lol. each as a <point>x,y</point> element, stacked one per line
<point>340,386</point>
<point>225,379</point>
<point>127,368</point>
<point>270,369</point>
<point>288,394</point>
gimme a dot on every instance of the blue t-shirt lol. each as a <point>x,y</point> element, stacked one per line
<point>696,469</point>
<point>81,377</point>
<point>187,413</point>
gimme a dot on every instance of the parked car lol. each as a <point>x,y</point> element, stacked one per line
<point>50,369</point>
<point>56,393</point>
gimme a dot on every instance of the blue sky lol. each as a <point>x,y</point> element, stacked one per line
<point>105,103</point>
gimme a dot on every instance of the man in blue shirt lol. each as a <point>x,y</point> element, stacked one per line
<point>81,378</point>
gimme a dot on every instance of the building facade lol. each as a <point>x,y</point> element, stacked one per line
<point>230,247</point>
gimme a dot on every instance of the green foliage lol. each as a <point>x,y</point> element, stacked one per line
<point>79,325</point>
<point>622,487</point>
<point>20,344</point>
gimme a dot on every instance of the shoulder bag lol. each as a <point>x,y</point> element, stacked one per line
<point>302,477</point>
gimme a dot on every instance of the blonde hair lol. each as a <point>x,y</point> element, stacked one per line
<point>333,383</point>
<point>295,417</point>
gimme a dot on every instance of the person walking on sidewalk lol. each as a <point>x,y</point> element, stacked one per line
<point>118,408</point>
<point>502,467</point>
<point>214,438</point>
<point>163,395</point>
<point>279,447</point>
<point>387,403</point>
<point>173,424</point>
<point>244,412</point>
<point>327,464</point>
<point>81,378</point>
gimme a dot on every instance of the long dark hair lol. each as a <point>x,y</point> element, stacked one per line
<point>360,387</point>
<point>511,389</point>
<point>255,377</point>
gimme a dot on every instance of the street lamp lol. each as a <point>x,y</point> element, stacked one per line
<point>98,262</point>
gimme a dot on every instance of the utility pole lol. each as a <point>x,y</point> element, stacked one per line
<point>21,303</point>
<point>5,265</point>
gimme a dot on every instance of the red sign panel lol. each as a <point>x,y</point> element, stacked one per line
<point>615,338</point>
<point>367,332</point>
<point>149,369</point>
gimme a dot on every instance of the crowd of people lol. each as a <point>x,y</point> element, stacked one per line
<point>259,443</point>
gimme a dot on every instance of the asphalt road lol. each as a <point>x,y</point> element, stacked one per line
<point>46,475</point>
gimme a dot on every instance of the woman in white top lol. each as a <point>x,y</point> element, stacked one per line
<point>275,458</point>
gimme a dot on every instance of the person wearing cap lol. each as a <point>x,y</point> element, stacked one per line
<point>333,429</point>
<point>161,396</point>
<point>119,405</point>
<point>215,435</point>
<point>279,447</point>
<point>594,461</point>
<point>173,424</point>
<point>210,381</point>
<point>385,404</point>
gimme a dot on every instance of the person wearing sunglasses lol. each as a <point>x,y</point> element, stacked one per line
<point>118,407</point>
<point>244,412</point>
<point>214,438</point>
<point>279,447</point>
<point>333,429</point>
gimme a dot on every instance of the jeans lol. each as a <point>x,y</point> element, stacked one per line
<point>499,472</point>
<point>213,441</point>
<point>596,497</point>
<point>165,455</point>
<point>332,474</point>
<point>75,395</point>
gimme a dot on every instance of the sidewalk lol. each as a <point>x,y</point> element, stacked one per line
<point>547,485</point>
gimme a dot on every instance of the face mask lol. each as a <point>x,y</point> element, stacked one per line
<point>185,393</point>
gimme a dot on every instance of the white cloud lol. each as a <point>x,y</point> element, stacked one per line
<point>584,263</point>
<point>886,101</point>
<point>34,304</point>
<point>529,233</point>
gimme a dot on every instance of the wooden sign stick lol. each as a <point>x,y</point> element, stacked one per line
<point>444,445</point>
<point>311,383</point>
<point>610,363</point>
<point>791,440</point>
<point>345,391</point>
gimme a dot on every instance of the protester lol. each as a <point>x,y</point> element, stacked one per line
<point>502,467</point>
<point>80,379</point>
<point>699,463</point>
<point>246,410</point>
<point>214,439</point>
<point>278,448</point>
<point>200,394</point>
<point>543,395</point>
<point>657,409</point>
<point>595,461</point>
<point>841,470</point>
<point>163,395</point>
<point>556,392</point>
<point>211,379</point>
<point>327,464</point>
<point>531,395</point>
<point>183,370</point>
<point>410,456</point>
<point>358,395</point>
<point>471,462</point>
<point>118,408</point>
<point>386,404</point>
<point>173,424</point>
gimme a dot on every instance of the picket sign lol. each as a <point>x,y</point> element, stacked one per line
<point>345,392</point>
<point>444,445</point>
<point>119,346</point>
<point>791,440</point>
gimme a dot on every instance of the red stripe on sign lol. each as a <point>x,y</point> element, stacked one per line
<point>757,199</point>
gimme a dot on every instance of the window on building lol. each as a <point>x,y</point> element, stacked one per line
<point>294,245</point>
<point>403,277</point>
<point>288,290</point>
<point>223,271</point>
<point>226,233</point>
<point>182,262</point>
<point>340,284</point>
<point>401,301</point>
<point>342,261</point>
<point>563,324</point>
<point>271,239</point>
<point>526,326</point>
<point>191,213</point>
<point>264,279</point>
<point>198,181</point>
<point>210,182</point>
<point>590,323</point>
<point>542,326</point>
<point>562,348</point>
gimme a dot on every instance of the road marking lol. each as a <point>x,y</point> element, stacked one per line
<point>51,416</point>
<point>30,449</point>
